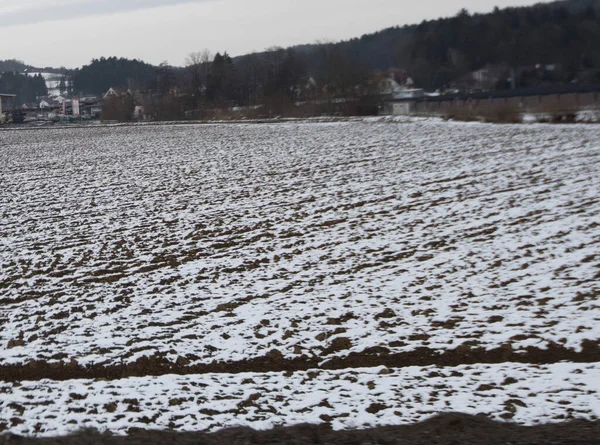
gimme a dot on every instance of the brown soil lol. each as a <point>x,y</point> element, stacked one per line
<point>448,429</point>
<point>274,361</point>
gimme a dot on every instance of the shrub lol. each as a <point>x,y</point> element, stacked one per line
<point>505,114</point>
<point>463,114</point>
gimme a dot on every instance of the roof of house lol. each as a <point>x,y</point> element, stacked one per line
<point>119,91</point>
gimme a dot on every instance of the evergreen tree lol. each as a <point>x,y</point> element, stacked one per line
<point>26,88</point>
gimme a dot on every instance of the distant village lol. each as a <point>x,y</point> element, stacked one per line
<point>65,108</point>
<point>87,106</point>
<point>390,92</point>
<point>394,84</point>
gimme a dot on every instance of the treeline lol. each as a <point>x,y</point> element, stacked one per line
<point>278,81</point>
<point>277,77</point>
<point>26,88</point>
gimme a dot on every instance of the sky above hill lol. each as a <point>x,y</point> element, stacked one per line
<point>71,32</point>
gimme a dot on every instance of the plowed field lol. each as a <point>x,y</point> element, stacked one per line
<point>358,274</point>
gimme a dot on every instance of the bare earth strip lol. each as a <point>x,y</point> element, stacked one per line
<point>444,429</point>
<point>275,362</point>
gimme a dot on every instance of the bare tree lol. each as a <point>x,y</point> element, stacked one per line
<point>251,74</point>
<point>193,59</point>
<point>199,64</point>
<point>206,58</point>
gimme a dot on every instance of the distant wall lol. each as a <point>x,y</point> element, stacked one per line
<point>543,103</point>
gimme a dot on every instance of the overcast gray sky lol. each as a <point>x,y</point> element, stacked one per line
<point>72,32</point>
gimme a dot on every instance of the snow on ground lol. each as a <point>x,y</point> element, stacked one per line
<point>359,398</point>
<point>117,243</point>
<point>225,242</point>
<point>200,244</point>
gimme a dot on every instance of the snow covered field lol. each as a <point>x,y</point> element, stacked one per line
<point>349,399</point>
<point>233,248</point>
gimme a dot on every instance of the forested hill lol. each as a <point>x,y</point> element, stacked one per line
<point>102,74</point>
<point>12,65</point>
<point>436,53</point>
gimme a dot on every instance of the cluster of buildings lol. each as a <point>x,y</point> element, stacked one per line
<point>63,106</point>
<point>393,90</point>
<point>493,88</point>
